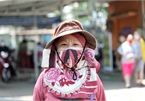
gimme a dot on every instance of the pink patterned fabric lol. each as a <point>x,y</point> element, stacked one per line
<point>58,80</point>
<point>41,93</point>
<point>63,84</point>
<point>53,74</point>
<point>92,62</point>
<point>70,57</point>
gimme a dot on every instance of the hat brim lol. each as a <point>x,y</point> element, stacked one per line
<point>91,40</point>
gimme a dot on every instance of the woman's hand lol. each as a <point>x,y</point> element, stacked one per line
<point>130,55</point>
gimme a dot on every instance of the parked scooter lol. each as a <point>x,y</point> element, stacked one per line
<point>6,69</point>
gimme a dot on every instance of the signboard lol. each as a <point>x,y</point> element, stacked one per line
<point>29,20</point>
<point>126,30</point>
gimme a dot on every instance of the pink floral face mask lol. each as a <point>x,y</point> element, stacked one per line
<point>70,58</point>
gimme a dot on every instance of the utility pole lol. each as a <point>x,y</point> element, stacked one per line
<point>35,58</point>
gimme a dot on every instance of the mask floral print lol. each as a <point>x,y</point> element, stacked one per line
<point>55,76</point>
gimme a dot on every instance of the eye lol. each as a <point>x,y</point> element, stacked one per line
<point>75,44</point>
<point>64,44</point>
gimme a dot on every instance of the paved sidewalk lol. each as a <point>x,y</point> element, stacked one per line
<point>16,91</point>
<point>115,88</point>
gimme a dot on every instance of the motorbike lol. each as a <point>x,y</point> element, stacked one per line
<point>6,69</point>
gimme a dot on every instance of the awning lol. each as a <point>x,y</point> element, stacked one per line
<point>29,20</point>
<point>32,7</point>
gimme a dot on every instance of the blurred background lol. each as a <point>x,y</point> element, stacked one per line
<point>27,25</point>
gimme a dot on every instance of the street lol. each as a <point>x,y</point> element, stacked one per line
<point>16,91</point>
<point>114,88</point>
<point>115,91</point>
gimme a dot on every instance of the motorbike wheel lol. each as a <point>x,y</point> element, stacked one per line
<point>6,75</point>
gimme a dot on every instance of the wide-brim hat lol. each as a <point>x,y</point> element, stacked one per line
<point>69,27</point>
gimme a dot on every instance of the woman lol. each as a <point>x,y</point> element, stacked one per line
<point>139,47</point>
<point>70,72</point>
<point>127,59</point>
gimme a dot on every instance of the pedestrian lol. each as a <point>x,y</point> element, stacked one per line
<point>22,52</point>
<point>127,59</point>
<point>70,69</point>
<point>122,38</point>
<point>139,47</point>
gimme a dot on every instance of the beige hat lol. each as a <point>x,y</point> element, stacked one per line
<point>69,27</point>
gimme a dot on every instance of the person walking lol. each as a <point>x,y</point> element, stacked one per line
<point>70,67</point>
<point>139,46</point>
<point>127,59</point>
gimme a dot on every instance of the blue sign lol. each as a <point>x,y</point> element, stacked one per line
<point>126,30</point>
<point>29,20</point>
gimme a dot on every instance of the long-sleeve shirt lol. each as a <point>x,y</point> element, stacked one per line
<point>137,49</point>
<point>124,49</point>
<point>42,94</point>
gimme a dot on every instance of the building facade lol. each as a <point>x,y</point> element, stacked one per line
<point>124,18</point>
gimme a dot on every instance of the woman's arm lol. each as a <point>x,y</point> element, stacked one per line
<point>38,93</point>
<point>119,50</point>
<point>100,92</point>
